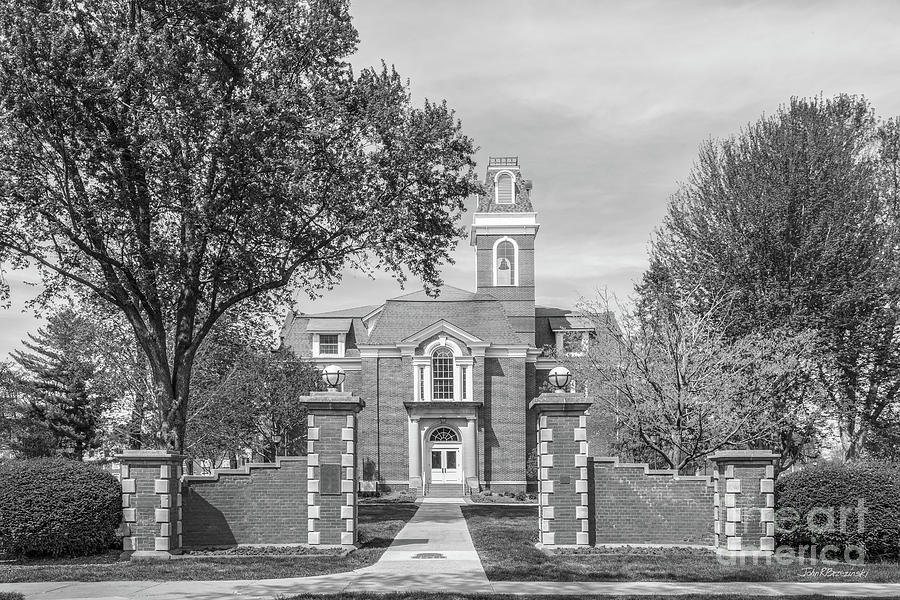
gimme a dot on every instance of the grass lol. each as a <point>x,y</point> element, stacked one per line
<point>378,524</point>
<point>505,536</point>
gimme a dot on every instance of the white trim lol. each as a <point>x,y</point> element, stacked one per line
<point>368,317</point>
<point>513,178</point>
<point>347,363</point>
<point>443,342</point>
<point>441,326</point>
<point>515,269</point>
<point>386,351</point>
<point>511,219</point>
<point>433,347</point>
<point>509,351</point>
<point>341,345</point>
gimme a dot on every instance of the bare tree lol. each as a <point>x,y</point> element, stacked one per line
<point>682,390</point>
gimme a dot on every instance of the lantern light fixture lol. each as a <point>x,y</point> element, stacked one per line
<point>560,377</point>
<point>333,376</point>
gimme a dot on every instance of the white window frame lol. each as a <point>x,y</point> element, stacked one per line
<point>462,373</point>
<point>512,179</point>
<point>342,345</point>
<point>561,345</point>
<point>515,269</point>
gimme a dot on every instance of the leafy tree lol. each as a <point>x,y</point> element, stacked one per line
<point>181,159</point>
<point>254,401</point>
<point>795,220</point>
<point>681,390</point>
<point>59,382</point>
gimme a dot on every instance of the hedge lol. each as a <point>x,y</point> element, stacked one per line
<point>57,507</point>
<point>821,505</point>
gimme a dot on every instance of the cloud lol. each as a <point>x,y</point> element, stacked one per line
<point>606,103</point>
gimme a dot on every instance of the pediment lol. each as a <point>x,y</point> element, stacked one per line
<point>443,327</point>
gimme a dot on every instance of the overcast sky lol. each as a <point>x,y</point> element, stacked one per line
<point>605,103</point>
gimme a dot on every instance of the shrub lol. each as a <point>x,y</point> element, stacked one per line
<point>821,505</point>
<point>57,507</point>
<point>11,596</point>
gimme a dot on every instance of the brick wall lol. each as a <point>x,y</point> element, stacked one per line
<point>635,505</point>
<point>503,418</point>
<point>386,383</point>
<point>258,504</point>
<point>530,424</point>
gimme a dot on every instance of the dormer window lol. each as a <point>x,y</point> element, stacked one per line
<point>505,262</point>
<point>329,336</point>
<point>505,189</point>
<point>328,344</point>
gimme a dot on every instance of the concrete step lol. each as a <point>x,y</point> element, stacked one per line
<point>444,490</point>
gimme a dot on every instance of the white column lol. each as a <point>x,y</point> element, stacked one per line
<point>469,389</point>
<point>415,454</point>
<point>470,449</point>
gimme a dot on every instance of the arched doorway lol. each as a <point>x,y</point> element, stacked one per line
<point>444,450</point>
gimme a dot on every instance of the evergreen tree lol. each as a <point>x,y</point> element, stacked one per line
<point>59,382</point>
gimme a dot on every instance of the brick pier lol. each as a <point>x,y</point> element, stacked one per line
<point>331,468</point>
<point>563,469</point>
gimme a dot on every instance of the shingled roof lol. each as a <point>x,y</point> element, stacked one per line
<point>476,313</point>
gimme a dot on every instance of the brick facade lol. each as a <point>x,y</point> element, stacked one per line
<point>496,332</point>
<point>633,504</point>
<point>257,504</point>
<point>503,419</point>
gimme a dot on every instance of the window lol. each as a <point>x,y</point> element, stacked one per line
<point>505,189</point>
<point>506,263</point>
<point>462,383</point>
<point>442,374</point>
<point>328,343</point>
<point>574,343</point>
<point>421,383</point>
<point>443,434</point>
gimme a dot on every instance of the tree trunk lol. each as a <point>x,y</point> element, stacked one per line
<point>136,421</point>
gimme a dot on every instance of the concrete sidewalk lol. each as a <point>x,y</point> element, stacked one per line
<point>346,582</point>
<point>432,553</point>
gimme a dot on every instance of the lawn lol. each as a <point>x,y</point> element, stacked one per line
<point>378,524</point>
<point>505,536</point>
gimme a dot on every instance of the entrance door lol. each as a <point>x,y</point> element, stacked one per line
<point>445,465</point>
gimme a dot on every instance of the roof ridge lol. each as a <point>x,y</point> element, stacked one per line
<point>442,295</point>
<point>353,311</point>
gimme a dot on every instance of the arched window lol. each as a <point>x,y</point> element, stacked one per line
<point>443,434</point>
<point>505,190</point>
<point>506,263</point>
<point>442,374</point>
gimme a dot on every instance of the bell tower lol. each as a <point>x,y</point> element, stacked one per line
<point>504,227</point>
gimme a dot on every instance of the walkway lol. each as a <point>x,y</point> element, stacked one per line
<point>433,552</point>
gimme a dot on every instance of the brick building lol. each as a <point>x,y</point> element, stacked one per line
<point>447,380</point>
